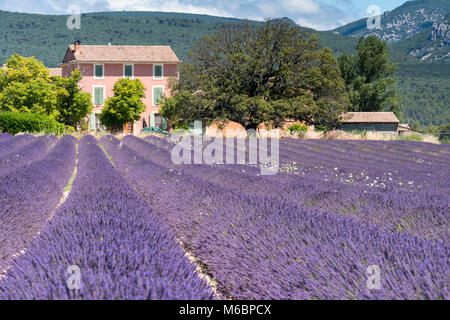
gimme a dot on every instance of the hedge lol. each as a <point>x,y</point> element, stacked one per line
<point>15,122</point>
<point>297,128</point>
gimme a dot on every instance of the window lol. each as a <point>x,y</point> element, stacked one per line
<point>157,121</point>
<point>98,71</point>
<point>128,71</point>
<point>94,123</point>
<point>158,94</point>
<point>157,71</point>
<point>99,95</point>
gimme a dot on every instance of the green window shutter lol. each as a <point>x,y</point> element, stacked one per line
<point>92,122</point>
<point>128,71</point>
<point>98,96</point>
<point>158,72</point>
<point>157,95</point>
<point>99,71</point>
<point>152,120</point>
<point>164,123</point>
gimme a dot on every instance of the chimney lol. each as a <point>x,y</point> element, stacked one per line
<point>77,45</point>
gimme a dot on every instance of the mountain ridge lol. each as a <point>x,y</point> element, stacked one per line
<point>401,23</point>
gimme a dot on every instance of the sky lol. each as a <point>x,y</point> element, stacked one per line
<point>317,14</point>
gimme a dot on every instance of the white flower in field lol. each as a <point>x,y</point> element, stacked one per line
<point>410,182</point>
<point>399,183</point>
<point>375,181</point>
<point>390,179</point>
<point>336,169</point>
<point>389,173</point>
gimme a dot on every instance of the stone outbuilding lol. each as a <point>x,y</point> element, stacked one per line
<point>370,121</point>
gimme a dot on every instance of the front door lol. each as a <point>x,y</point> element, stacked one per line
<point>128,128</point>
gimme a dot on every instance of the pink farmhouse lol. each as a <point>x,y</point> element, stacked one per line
<point>102,65</point>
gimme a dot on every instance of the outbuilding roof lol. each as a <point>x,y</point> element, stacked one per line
<point>369,117</point>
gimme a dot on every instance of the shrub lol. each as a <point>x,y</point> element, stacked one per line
<point>412,137</point>
<point>15,122</point>
<point>297,128</point>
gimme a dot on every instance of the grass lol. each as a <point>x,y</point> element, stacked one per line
<point>68,187</point>
<point>106,153</point>
<point>412,137</point>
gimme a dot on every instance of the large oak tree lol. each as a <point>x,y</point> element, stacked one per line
<point>253,73</point>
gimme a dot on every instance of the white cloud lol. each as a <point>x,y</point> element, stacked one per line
<point>301,6</point>
<point>165,6</point>
<point>317,14</point>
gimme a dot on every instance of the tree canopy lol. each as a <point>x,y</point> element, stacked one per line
<point>258,73</point>
<point>73,103</point>
<point>125,106</point>
<point>26,87</point>
<point>368,76</point>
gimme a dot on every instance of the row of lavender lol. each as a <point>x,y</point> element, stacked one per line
<point>16,156</point>
<point>30,194</point>
<point>415,211</point>
<point>105,230</point>
<point>260,246</point>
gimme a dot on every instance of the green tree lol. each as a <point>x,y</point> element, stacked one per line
<point>125,106</point>
<point>25,86</point>
<point>35,96</point>
<point>22,69</point>
<point>73,104</point>
<point>369,77</point>
<point>258,73</point>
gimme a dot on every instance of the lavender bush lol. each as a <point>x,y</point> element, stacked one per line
<point>122,246</point>
<point>340,187</point>
<point>29,196</point>
<point>269,247</point>
<point>26,154</point>
<point>10,143</point>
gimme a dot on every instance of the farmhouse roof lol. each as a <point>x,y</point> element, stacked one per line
<point>55,72</point>
<point>369,117</point>
<point>110,53</point>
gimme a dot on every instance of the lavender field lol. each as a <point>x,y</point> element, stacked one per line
<point>138,226</point>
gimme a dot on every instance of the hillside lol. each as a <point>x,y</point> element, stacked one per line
<point>403,22</point>
<point>430,45</point>
<point>46,37</point>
